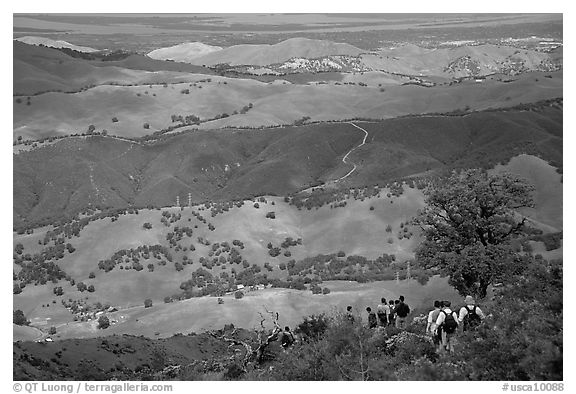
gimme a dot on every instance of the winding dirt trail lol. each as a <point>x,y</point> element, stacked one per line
<point>350,151</point>
<point>344,160</point>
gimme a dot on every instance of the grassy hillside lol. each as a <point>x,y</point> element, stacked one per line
<point>366,226</point>
<point>274,103</point>
<point>95,359</point>
<point>102,238</point>
<point>41,69</point>
<point>462,61</point>
<point>233,164</point>
<point>269,54</point>
<point>183,52</point>
<point>548,193</point>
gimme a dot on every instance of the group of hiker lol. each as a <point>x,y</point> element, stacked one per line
<point>442,322</point>
<point>391,313</point>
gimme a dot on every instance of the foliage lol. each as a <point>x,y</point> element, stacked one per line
<point>103,322</point>
<point>312,327</point>
<point>468,224</point>
<point>551,241</point>
<point>19,319</point>
<point>521,340</point>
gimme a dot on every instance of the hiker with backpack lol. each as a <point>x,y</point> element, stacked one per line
<point>470,314</point>
<point>383,310</point>
<point>372,321</point>
<point>447,322</point>
<point>392,314</point>
<point>287,338</point>
<point>349,315</point>
<point>431,328</point>
<point>402,310</point>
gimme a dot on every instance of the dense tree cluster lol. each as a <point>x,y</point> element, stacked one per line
<point>168,218</point>
<point>175,236</point>
<point>19,319</point>
<point>66,227</point>
<point>219,207</point>
<point>289,241</point>
<point>333,267</point>
<point>39,269</point>
<point>83,311</point>
<point>131,257</point>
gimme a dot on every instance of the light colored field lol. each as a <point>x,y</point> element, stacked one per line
<point>199,314</point>
<point>25,333</point>
<point>354,229</point>
<point>274,103</point>
<point>548,188</point>
<point>183,52</point>
<point>31,40</point>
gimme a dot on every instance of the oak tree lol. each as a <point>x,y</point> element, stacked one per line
<point>468,223</point>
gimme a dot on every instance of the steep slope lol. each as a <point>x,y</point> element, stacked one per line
<point>41,69</point>
<point>269,54</point>
<point>104,171</point>
<point>183,52</point>
<point>31,40</point>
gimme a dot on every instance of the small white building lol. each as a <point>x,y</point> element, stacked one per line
<point>239,287</point>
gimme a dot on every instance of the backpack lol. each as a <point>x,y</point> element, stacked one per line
<point>403,310</point>
<point>472,319</point>
<point>287,339</point>
<point>450,325</point>
<point>382,317</point>
<point>372,319</point>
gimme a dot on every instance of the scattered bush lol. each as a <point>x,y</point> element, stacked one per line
<point>103,322</point>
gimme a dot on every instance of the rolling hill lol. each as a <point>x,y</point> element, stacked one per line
<point>41,69</point>
<point>231,164</point>
<point>369,226</point>
<point>30,40</point>
<point>463,61</point>
<point>264,54</point>
<point>183,52</point>
<point>274,103</point>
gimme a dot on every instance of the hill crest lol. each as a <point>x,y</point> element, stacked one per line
<point>183,52</point>
<point>264,54</point>
<point>47,42</point>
